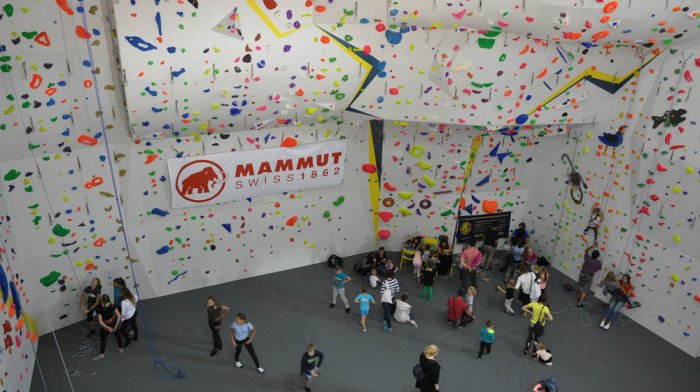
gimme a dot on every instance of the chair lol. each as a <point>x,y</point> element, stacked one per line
<point>430,241</point>
<point>406,254</point>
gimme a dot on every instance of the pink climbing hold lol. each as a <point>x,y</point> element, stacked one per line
<point>369,168</point>
<point>697,62</point>
<point>644,210</point>
<point>639,237</point>
<point>389,187</point>
<point>386,216</point>
<point>393,91</point>
<point>660,167</point>
<point>384,234</point>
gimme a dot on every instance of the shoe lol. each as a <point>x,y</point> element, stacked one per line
<point>549,364</point>
<point>606,326</point>
<point>415,324</point>
<point>239,365</point>
<point>364,331</point>
<point>602,324</point>
<point>347,310</point>
<point>524,351</point>
<point>479,358</point>
<point>261,370</point>
<point>332,305</point>
<point>579,305</point>
<point>120,351</point>
<point>213,352</point>
<point>97,358</point>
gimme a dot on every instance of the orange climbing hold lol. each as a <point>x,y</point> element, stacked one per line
<point>151,158</point>
<point>610,7</point>
<point>289,142</point>
<point>35,83</point>
<point>291,221</point>
<point>600,35</point>
<point>43,39</point>
<point>82,33</point>
<point>100,242</point>
<point>63,4</point>
<point>87,140</point>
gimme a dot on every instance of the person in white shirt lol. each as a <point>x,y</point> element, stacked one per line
<point>528,283</point>
<point>374,279</point>
<point>542,354</point>
<point>404,311</point>
<point>129,329</point>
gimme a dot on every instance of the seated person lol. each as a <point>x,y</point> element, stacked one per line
<point>374,280</point>
<point>458,312</point>
<point>380,255</point>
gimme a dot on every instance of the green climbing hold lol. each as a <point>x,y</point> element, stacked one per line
<point>486,43</point>
<point>50,279</point>
<point>326,214</point>
<point>444,228</point>
<point>446,213</point>
<point>12,174</point>
<point>60,231</point>
<point>340,201</point>
<point>174,272</point>
<point>29,34</point>
<point>29,189</point>
<point>9,10</point>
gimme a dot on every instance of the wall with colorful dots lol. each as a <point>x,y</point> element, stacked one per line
<point>546,109</point>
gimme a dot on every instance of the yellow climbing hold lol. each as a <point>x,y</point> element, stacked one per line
<point>310,111</point>
<point>689,169</point>
<point>675,278</point>
<point>429,181</point>
<point>588,135</point>
<point>405,195</point>
<point>676,238</point>
<point>405,211</point>
<point>424,165</point>
<point>417,151</point>
<point>52,240</point>
<point>676,189</point>
<point>566,266</point>
<point>586,150</point>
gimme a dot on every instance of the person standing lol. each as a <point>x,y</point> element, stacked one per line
<point>109,319</point>
<point>242,334</point>
<point>529,286</point>
<point>520,233</point>
<point>364,300</point>
<point>540,313</point>
<point>488,335</point>
<point>215,316</point>
<point>89,301</point>
<point>310,363</point>
<point>445,256</point>
<point>428,279</point>
<point>129,312</point>
<point>117,284</point>
<point>430,370</point>
<point>390,288</point>
<point>490,244</point>
<point>591,265</point>
<point>339,280</point>
<point>469,261</point>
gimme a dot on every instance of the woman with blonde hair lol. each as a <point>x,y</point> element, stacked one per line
<point>430,370</point>
<point>129,330</point>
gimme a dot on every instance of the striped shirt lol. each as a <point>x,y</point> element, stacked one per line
<point>393,286</point>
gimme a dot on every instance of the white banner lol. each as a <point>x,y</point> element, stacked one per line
<point>218,178</point>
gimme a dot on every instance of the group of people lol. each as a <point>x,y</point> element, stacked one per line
<point>118,317</point>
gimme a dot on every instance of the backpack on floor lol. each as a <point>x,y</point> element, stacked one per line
<point>334,261</point>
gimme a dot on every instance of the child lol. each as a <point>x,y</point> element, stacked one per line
<point>488,335</point>
<point>428,279</point>
<point>594,222</point>
<point>544,275</point>
<point>310,364</point>
<point>418,262</point>
<point>543,355</point>
<point>404,311</point>
<point>374,279</point>
<point>389,265</point>
<point>471,293</point>
<point>364,300</point>
<point>339,281</point>
<point>510,293</point>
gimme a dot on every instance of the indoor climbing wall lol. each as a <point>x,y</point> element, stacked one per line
<point>182,249</point>
<point>19,334</point>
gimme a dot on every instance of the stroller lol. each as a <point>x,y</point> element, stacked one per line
<point>548,385</point>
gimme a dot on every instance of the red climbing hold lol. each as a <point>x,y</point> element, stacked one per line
<point>87,140</point>
<point>369,168</point>
<point>660,167</point>
<point>654,197</point>
<point>63,4</point>
<point>291,221</point>
<point>384,234</point>
<point>43,39</point>
<point>270,4</point>
<point>289,142</point>
<point>82,33</point>
<point>389,187</point>
<point>644,210</point>
<point>386,216</point>
<point>36,81</point>
<point>688,76</point>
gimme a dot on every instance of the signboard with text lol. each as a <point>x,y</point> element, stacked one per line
<point>218,178</point>
<point>475,226</point>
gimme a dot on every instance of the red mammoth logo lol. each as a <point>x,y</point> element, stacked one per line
<point>203,181</point>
